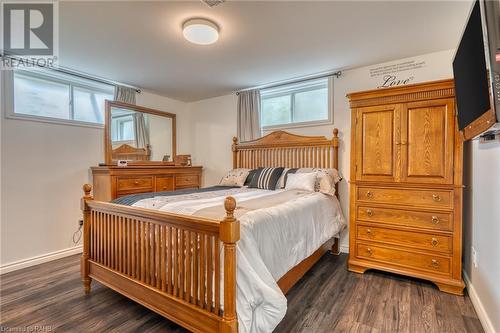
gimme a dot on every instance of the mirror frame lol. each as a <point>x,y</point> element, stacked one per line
<point>108,158</point>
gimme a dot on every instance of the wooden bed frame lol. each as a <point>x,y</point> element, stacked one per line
<point>171,263</point>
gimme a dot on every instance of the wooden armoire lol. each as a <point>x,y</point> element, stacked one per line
<point>406,183</point>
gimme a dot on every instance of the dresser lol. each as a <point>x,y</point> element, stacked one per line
<point>111,182</point>
<point>406,183</point>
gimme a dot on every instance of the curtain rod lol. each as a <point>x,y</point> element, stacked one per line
<point>335,73</point>
<point>94,78</point>
<point>82,75</point>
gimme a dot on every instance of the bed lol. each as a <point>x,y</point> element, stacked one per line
<point>180,254</point>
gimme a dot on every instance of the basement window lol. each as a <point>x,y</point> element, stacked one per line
<point>60,98</point>
<point>306,103</point>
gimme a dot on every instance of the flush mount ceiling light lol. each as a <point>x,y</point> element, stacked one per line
<point>201,31</point>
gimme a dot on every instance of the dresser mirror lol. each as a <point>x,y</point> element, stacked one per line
<point>138,135</point>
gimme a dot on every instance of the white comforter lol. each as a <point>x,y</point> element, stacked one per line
<point>273,240</point>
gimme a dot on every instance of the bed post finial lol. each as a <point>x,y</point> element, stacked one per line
<point>230,206</point>
<point>235,152</point>
<point>87,188</point>
<point>335,139</point>
<point>229,234</point>
<point>86,280</point>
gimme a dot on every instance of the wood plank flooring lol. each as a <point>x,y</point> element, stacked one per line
<point>49,297</point>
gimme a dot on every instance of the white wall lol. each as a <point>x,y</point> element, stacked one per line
<point>214,119</point>
<point>213,128</point>
<point>43,168</point>
<point>482,229</point>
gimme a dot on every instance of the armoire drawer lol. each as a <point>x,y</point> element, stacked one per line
<point>134,183</point>
<point>404,258</point>
<point>420,240</point>
<point>406,196</point>
<point>407,218</point>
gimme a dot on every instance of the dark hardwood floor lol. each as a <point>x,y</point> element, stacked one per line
<point>49,297</point>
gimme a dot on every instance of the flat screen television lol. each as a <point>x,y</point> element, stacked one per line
<point>476,69</point>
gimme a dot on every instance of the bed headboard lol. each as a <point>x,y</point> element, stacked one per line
<point>283,149</point>
<point>127,152</point>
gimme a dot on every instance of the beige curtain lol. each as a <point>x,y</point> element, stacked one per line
<point>249,115</point>
<point>141,130</point>
<point>125,94</point>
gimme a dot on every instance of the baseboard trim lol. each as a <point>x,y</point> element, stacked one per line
<point>344,248</point>
<point>20,264</point>
<point>478,305</point>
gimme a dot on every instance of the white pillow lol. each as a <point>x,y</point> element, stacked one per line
<point>301,181</point>
<point>281,181</point>
<point>235,177</point>
<point>325,179</point>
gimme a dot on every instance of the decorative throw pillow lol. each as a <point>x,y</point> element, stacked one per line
<point>325,179</point>
<point>282,181</point>
<point>235,177</point>
<point>249,177</point>
<point>301,181</point>
<point>266,178</point>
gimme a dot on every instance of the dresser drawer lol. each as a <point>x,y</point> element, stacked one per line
<point>408,259</point>
<point>412,197</point>
<point>134,184</point>
<point>186,180</point>
<point>164,183</point>
<point>419,240</point>
<point>407,218</point>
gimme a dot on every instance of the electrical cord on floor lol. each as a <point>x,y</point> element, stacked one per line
<point>78,234</point>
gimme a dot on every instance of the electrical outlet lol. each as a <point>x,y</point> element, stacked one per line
<point>474,256</point>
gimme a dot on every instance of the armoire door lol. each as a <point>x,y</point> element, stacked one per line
<point>377,134</point>
<point>428,129</point>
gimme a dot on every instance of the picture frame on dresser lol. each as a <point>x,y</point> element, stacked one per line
<point>406,183</point>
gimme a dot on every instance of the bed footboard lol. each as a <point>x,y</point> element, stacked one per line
<point>169,263</point>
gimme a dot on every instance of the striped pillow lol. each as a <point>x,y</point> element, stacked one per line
<point>266,178</point>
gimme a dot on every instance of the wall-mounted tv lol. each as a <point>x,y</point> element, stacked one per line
<point>476,69</point>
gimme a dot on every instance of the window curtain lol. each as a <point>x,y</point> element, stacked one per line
<point>249,115</point>
<point>141,130</point>
<point>125,94</point>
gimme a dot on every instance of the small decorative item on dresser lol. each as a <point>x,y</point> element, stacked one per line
<point>183,160</point>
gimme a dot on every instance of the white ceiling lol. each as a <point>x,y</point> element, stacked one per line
<point>141,43</point>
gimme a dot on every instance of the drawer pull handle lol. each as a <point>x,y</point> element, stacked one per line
<point>369,195</point>
<point>136,182</point>
<point>435,220</point>
<point>370,252</point>
<point>436,198</point>
<point>434,241</point>
<point>369,212</point>
<point>435,263</point>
